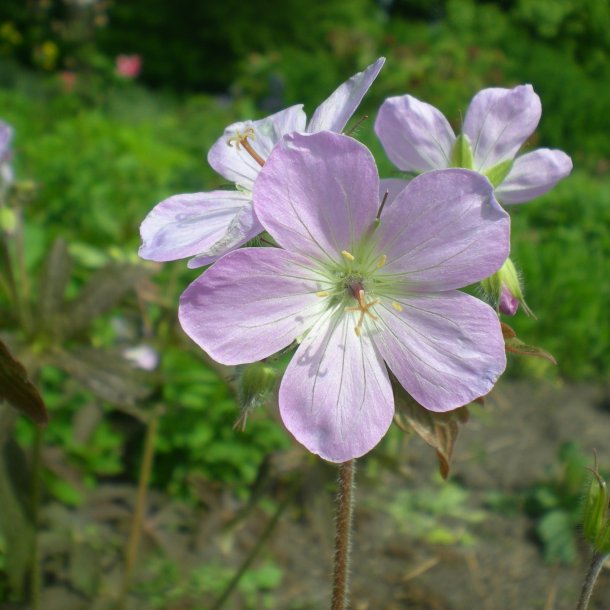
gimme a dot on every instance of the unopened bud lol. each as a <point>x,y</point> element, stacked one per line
<point>504,289</point>
<point>255,382</point>
<point>596,514</point>
<point>461,154</point>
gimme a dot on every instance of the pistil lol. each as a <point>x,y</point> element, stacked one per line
<point>241,139</point>
<point>363,307</point>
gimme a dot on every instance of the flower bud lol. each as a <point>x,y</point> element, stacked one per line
<point>461,155</point>
<point>255,383</point>
<point>596,514</point>
<point>504,289</point>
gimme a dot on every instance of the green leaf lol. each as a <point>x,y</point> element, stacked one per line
<point>556,531</point>
<point>18,390</point>
<point>106,373</point>
<point>102,292</point>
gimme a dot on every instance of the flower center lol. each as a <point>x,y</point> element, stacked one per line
<point>241,139</point>
<point>357,290</point>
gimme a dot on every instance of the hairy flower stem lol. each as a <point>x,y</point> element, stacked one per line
<point>140,507</point>
<point>597,563</point>
<point>243,568</point>
<point>345,504</point>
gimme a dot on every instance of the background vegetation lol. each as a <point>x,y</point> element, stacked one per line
<point>94,151</point>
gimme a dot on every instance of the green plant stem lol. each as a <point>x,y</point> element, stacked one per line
<point>597,563</point>
<point>220,602</point>
<point>35,578</point>
<point>345,507</point>
<point>140,507</point>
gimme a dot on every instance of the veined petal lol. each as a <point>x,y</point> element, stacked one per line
<point>445,349</point>
<point>197,223</point>
<point>533,175</point>
<point>499,121</point>
<point>234,162</point>
<point>250,304</point>
<point>444,230</point>
<point>334,113</point>
<point>416,136</point>
<point>335,397</point>
<point>317,194</point>
<point>393,186</point>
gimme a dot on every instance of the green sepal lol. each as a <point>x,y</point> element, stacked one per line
<point>594,510</point>
<point>461,154</point>
<point>497,173</point>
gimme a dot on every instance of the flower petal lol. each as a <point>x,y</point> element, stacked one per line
<point>444,230</point>
<point>198,223</point>
<point>318,193</point>
<point>533,175</point>
<point>235,163</point>
<point>416,136</point>
<point>498,122</point>
<point>334,113</point>
<point>445,349</point>
<point>250,304</point>
<point>335,397</point>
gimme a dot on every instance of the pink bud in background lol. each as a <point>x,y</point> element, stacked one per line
<point>508,303</point>
<point>129,66</point>
<point>68,80</point>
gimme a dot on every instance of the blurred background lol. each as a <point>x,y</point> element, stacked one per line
<point>114,105</point>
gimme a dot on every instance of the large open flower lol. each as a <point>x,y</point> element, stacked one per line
<point>358,291</point>
<point>207,225</point>
<point>417,138</point>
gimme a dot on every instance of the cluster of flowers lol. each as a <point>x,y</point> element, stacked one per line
<point>365,274</point>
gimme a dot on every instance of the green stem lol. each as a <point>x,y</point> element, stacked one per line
<point>220,602</point>
<point>345,507</point>
<point>35,580</point>
<point>597,563</point>
<point>140,508</point>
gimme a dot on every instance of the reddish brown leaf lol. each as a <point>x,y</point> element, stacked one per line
<point>514,345</point>
<point>439,430</point>
<point>18,390</point>
<point>507,331</point>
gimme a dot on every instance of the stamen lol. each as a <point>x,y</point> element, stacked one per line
<point>381,206</point>
<point>363,307</point>
<point>241,139</point>
<point>356,125</point>
<point>382,261</point>
<point>322,293</point>
<point>348,255</point>
<point>397,306</point>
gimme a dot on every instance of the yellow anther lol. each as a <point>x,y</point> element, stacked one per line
<point>382,261</point>
<point>322,293</point>
<point>397,306</point>
<point>363,307</point>
<point>348,255</point>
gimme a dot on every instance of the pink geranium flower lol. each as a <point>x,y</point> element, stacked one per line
<point>207,225</point>
<point>418,138</point>
<point>129,66</point>
<point>355,291</point>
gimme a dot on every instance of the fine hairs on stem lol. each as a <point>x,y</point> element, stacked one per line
<point>597,563</point>
<point>345,502</point>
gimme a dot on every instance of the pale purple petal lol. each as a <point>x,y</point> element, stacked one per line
<point>445,349</point>
<point>198,223</point>
<point>318,193</point>
<point>445,230</point>
<point>335,397</point>
<point>393,186</point>
<point>250,304</point>
<point>416,136</point>
<point>236,164</point>
<point>6,135</point>
<point>499,121</point>
<point>533,175</point>
<point>334,113</point>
